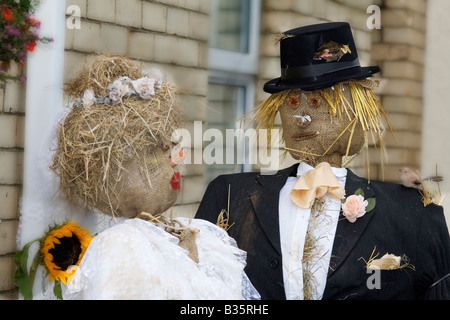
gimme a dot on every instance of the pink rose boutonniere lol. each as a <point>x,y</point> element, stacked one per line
<point>355,206</point>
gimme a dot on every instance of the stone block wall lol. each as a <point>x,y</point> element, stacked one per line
<point>399,49</point>
<point>12,123</point>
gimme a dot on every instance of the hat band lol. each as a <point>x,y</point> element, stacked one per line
<point>316,70</point>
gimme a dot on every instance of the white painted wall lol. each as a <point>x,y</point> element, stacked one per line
<point>436,114</point>
<point>41,205</point>
<point>43,102</point>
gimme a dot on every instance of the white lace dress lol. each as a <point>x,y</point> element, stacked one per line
<point>136,259</point>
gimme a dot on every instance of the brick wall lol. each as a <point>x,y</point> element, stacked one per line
<point>399,51</point>
<point>12,120</point>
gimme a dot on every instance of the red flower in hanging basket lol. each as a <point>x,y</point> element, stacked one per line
<point>31,46</point>
<point>7,14</point>
<point>18,33</point>
<point>34,23</point>
<point>176,181</point>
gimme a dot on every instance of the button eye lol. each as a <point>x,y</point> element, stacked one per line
<point>314,102</point>
<point>293,102</point>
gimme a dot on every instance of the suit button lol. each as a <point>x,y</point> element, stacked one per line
<point>274,264</point>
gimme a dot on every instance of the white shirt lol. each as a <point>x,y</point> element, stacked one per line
<point>293,229</point>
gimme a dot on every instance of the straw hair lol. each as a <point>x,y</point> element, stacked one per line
<point>102,150</point>
<point>100,73</point>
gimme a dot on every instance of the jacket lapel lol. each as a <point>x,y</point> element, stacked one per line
<point>265,200</point>
<point>348,234</point>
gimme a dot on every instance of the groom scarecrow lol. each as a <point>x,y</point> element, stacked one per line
<point>316,230</point>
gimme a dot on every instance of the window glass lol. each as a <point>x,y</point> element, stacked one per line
<point>230,27</point>
<point>222,155</point>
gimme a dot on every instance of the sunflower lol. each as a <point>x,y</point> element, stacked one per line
<point>60,252</point>
<point>62,248</point>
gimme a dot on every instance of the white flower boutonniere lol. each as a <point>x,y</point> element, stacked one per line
<point>355,206</point>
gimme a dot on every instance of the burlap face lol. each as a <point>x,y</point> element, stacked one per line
<point>147,184</point>
<point>312,131</point>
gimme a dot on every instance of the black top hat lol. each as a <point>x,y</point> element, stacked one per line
<point>317,57</point>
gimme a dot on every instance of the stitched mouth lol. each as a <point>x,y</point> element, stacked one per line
<point>305,136</point>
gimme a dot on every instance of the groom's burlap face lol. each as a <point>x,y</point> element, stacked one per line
<point>312,131</point>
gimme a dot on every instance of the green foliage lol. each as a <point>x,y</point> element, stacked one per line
<point>22,5</point>
<point>22,279</point>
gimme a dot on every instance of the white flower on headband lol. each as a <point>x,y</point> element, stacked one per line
<point>157,75</point>
<point>144,87</point>
<point>117,91</point>
<point>88,98</point>
<point>120,88</point>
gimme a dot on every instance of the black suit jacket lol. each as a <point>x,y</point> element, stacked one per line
<point>400,224</point>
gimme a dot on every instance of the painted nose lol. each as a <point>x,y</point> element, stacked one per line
<point>303,121</point>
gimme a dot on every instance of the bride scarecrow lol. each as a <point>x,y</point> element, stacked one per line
<point>116,154</point>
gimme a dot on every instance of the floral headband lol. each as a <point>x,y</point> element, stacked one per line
<point>124,87</point>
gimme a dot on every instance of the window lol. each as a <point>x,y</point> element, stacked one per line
<point>230,28</point>
<point>234,35</point>
<point>227,103</point>
<point>233,65</point>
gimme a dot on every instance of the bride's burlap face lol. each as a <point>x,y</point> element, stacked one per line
<point>311,133</point>
<point>150,185</point>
